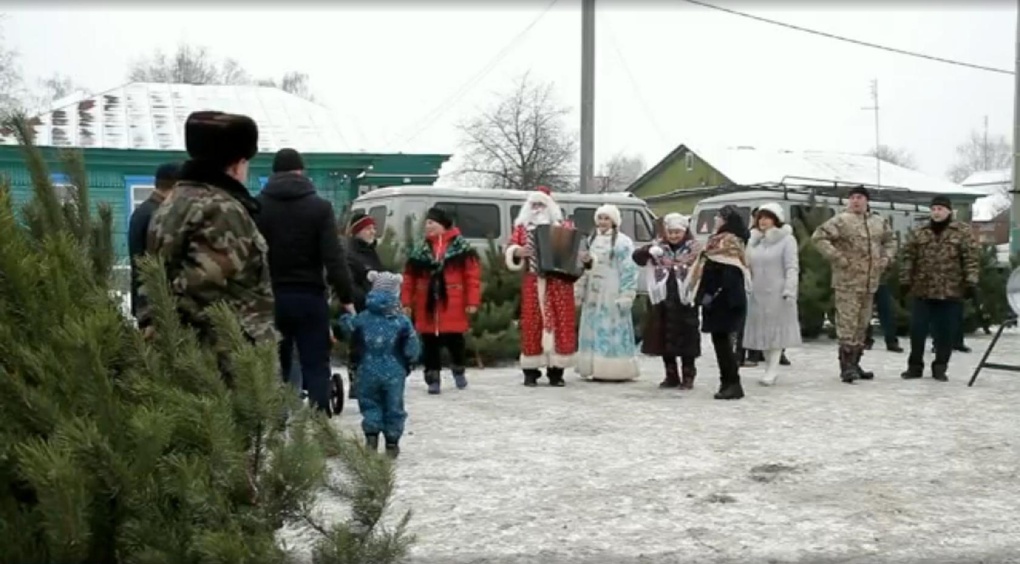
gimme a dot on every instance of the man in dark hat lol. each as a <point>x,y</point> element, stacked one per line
<point>205,232</point>
<point>362,258</point>
<point>138,228</point>
<point>304,254</point>
<point>860,246</point>
<point>940,268</point>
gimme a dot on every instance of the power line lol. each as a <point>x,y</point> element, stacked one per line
<point>633,83</point>
<point>452,100</point>
<point>850,40</point>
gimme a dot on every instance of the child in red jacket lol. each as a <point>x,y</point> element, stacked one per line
<point>442,288</point>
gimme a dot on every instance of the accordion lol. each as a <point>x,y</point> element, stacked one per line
<point>558,252</point>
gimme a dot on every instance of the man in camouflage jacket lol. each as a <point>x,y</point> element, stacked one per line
<point>859,245</point>
<point>940,269</point>
<point>205,233</point>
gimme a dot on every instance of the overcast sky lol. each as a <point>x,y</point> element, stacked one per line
<point>667,72</point>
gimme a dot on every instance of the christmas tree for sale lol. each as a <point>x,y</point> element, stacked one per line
<point>814,301</point>
<point>117,449</point>
<point>494,337</point>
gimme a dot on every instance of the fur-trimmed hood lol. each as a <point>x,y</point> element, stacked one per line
<point>771,237</point>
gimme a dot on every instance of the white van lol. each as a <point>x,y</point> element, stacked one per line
<point>488,213</point>
<point>902,216</point>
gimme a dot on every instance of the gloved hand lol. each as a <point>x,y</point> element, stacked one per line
<point>655,251</point>
<point>624,303</point>
<point>969,291</point>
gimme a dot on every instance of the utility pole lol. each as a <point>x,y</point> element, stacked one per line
<point>1014,238</point>
<point>878,145</point>
<point>984,148</point>
<point>587,96</point>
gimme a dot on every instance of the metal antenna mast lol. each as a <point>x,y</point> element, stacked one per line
<point>878,144</point>
<point>588,96</point>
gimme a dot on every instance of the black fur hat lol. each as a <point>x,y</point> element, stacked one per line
<point>860,190</point>
<point>219,138</point>
<point>439,216</point>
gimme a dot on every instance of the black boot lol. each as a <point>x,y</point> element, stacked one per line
<point>912,373</point>
<point>392,449</point>
<point>672,379</point>
<point>962,348</point>
<point>531,376</point>
<point>372,442</point>
<point>847,373</point>
<point>687,375</point>
<point>432,380</point>
<point>861,373</point>
<point>893,346</point>
<point>352,392</point>
<point>938,372</point>
<point>555,375</point>
<point>783,361</point>
<point>730,392</point>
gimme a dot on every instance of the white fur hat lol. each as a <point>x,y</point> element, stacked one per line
<point>610,211</point>
<point>775,209</point>
<point>676,221</point>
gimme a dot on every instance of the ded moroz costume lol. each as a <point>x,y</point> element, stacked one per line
<point>547,323</point>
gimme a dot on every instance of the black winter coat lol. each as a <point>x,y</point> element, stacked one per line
<point>722,297</point>
<point>670,327</point>
<point>301,231</point>
<point>138,232</point>
<point>361,258</point>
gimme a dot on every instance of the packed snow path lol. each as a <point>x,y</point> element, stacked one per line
<point>811,470</point>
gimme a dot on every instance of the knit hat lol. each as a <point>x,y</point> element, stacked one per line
<point>288,160</point>
<point>386,282</point>
<point>167,174</point>
<point>676,221</point>
<point>220,139</point>
<point>942,201</point>
<point>773,209</point>
<point>610,211</point>
<point>359,222</point>
<point>439,216</point>
<point>860,190</point>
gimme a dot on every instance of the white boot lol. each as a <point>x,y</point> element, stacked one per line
<point>771,367</point>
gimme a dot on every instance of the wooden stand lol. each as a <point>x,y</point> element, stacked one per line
<point>1011,321</point>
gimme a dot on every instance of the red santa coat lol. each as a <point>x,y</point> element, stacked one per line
<point>547,324</point>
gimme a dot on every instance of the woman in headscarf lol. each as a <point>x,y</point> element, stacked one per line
<point>671,327</point>
<point>722,283</point>
<point>772,323</point>
<point>605,294</point>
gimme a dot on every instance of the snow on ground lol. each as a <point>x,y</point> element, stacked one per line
<point>811,470</point>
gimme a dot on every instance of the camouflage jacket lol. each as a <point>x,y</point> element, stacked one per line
<point>213,251</point>
<point>859,247</point>
<point>940,266</point>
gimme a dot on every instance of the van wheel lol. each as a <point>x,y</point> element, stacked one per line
<point>336,394</point>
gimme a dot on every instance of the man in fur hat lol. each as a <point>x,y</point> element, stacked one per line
<point>547,324</point>
<point>205,233</point>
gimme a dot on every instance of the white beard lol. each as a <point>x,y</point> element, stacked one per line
<point>539,218</point>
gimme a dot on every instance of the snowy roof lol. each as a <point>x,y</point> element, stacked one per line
<point>747,165</point>
<point>988,207</point>
<point>989,177</point>
<point>151,116</point>
<point>995,183</point>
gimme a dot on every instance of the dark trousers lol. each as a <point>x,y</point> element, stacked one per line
<point>687,362</point>
<point>886,312</point>
<point>302,317</point>
<point>940,318</point>
<point>432,352</point>
<point>726,356</point>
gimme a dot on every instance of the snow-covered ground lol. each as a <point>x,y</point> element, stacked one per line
<point>811,470</point>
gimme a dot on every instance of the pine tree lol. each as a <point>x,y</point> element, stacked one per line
<point>116,449</point>
<point>493,337</point>
<point>814,301</point>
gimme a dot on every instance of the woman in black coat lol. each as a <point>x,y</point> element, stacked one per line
<point>671,327</point>
<point>722,282</point>
<point>362,258</point>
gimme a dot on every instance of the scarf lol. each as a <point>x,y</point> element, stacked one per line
<point>724,248</point>
<point>432,256</point>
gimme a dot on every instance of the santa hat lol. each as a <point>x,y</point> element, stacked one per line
<point>543,196</point>
<point>610,211</point>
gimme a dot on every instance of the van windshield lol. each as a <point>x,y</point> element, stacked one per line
<point>706,219</point>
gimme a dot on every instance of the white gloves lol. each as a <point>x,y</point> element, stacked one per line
<point>655,251</point>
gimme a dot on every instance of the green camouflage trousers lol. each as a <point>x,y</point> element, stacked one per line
<point>853,315</point>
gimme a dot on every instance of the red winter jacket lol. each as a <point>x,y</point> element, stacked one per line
<point>442,279</point>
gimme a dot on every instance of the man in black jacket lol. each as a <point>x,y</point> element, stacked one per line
<point>166,176</point>
<point>304,254</point>
<point>362,259</point>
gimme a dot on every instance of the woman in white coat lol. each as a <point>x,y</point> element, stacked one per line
<point>772,320</point>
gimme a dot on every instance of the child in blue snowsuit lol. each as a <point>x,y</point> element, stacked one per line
<point>389,346</point>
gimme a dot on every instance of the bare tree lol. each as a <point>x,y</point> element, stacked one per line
<point>620,171</point>
<point>189,65</point>
<point>893,155</point>
<point>521,141</point>
<point>56,87</point>
<point>11,84</point>
<point>294,82</point>
<point>979,153</point>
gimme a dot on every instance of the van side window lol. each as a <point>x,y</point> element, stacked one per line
<point>584,220</point>
<point>706,219</point>
<point>378,215</point>
<point>515,210</point>
<point>475,221</point>
<point>635,225</point>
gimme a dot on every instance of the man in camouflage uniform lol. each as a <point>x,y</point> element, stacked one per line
<point>940,268</point>
<point>204,232</point>
<point>859,245</point>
